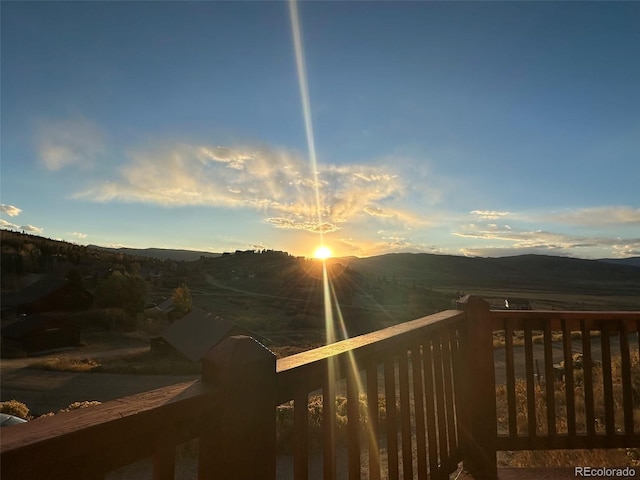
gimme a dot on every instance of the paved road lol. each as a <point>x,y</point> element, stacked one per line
<point>47,391</point>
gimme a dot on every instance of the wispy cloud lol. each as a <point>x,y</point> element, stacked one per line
<point>31,228</point>
<point>627,250</point>
<point>62,143</point>
<point>489,214</point>
<point>511,241</point>
<point>5,224</point>
<point>10,210</point>
<point>78,235</point>
<point>277,182</point>
<point>388,242</point>
<point>315,227</point>
<point>14,212</point>
<point>599,216</point>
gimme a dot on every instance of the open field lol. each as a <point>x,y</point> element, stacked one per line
<point>542,299</point>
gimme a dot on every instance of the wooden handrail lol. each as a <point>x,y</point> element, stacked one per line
<point>617,433</point>
<point>309,368</point>
<point>413,362</point>
<point>90,442</point>
<point>428,366</point>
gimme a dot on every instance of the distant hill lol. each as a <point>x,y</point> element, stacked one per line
<point>633,261</point>
<point>539,272</point>
<point>161,253</point>
<point>524,271</point>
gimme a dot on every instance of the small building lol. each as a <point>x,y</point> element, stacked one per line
<point>164,305</point>
<point>195,334</point>
<point>47,295</point>
<point>38,333</point>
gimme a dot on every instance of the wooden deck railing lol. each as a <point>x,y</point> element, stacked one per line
<point>434,379</point>
<point>588,402</point>
<point>415,367</point>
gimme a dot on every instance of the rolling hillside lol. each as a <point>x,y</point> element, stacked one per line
<point>525,271</point>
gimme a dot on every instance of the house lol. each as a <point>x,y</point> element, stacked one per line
<point>47,295</point>
<point>37,333</point>
<point>163,304</point>
<point>196,333</point>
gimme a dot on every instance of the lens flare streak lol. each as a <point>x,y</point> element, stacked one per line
<point>306,102</point>
<point>328,290</point>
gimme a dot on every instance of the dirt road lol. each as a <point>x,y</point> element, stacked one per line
<point>47,391</point>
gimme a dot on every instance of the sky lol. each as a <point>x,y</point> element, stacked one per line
<point>463,128</point>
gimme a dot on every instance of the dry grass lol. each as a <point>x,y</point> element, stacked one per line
<point>149,363</point>
<point>284,420</point>
<point>568,458</point>
<point>537,337</point>
<point>141,363</point>
<point>15,408</point>
<point>67,364</point>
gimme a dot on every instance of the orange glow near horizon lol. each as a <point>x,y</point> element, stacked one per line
<point>322,253</point>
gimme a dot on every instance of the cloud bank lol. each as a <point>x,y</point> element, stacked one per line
<point>277,182</point>
<point>599,216</point>
<point>506,240</point>
<point>10,210</point>
<point>63,143</point>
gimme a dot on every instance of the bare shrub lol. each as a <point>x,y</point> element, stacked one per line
<point>16,408</point>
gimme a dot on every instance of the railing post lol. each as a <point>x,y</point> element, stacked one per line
<point>238,442</point>
<point>479,425</point>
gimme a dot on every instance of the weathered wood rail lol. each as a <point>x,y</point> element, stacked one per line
<point>597,409</point>
<point>433,377</point>
<point>416,367</point>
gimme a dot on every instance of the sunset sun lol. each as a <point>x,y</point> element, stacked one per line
<point>322,253</point>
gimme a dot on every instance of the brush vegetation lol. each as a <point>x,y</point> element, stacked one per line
<point>570,458</point>
<point>141,363</point>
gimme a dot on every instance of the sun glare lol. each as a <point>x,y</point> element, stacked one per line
<point>322,253</point>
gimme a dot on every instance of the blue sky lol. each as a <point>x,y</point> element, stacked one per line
<point>467,128</point>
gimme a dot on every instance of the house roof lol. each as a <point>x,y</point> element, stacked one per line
<point>33,292</point>
<point>162,304</point>
<point>198,332</point>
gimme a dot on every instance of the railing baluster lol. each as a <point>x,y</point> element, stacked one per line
<point>353,424</point>
<point>451,464</point>
<point>549,381</point>
<point>301,435</point>
<point>328,426</point>
<point>457,389</point>
<point>627,393</point>
<point>418,396</point>
<point>373,430</point>
<point>405,415</point>
<point>568,379</point>
<point>391,419</point>
<point>430,399</point>
<point>440,408</point>
<point>164,460</point>
<point>531,392</point>
<point>587,370</point>
<point>510,380</point>
<point>607,380</point>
